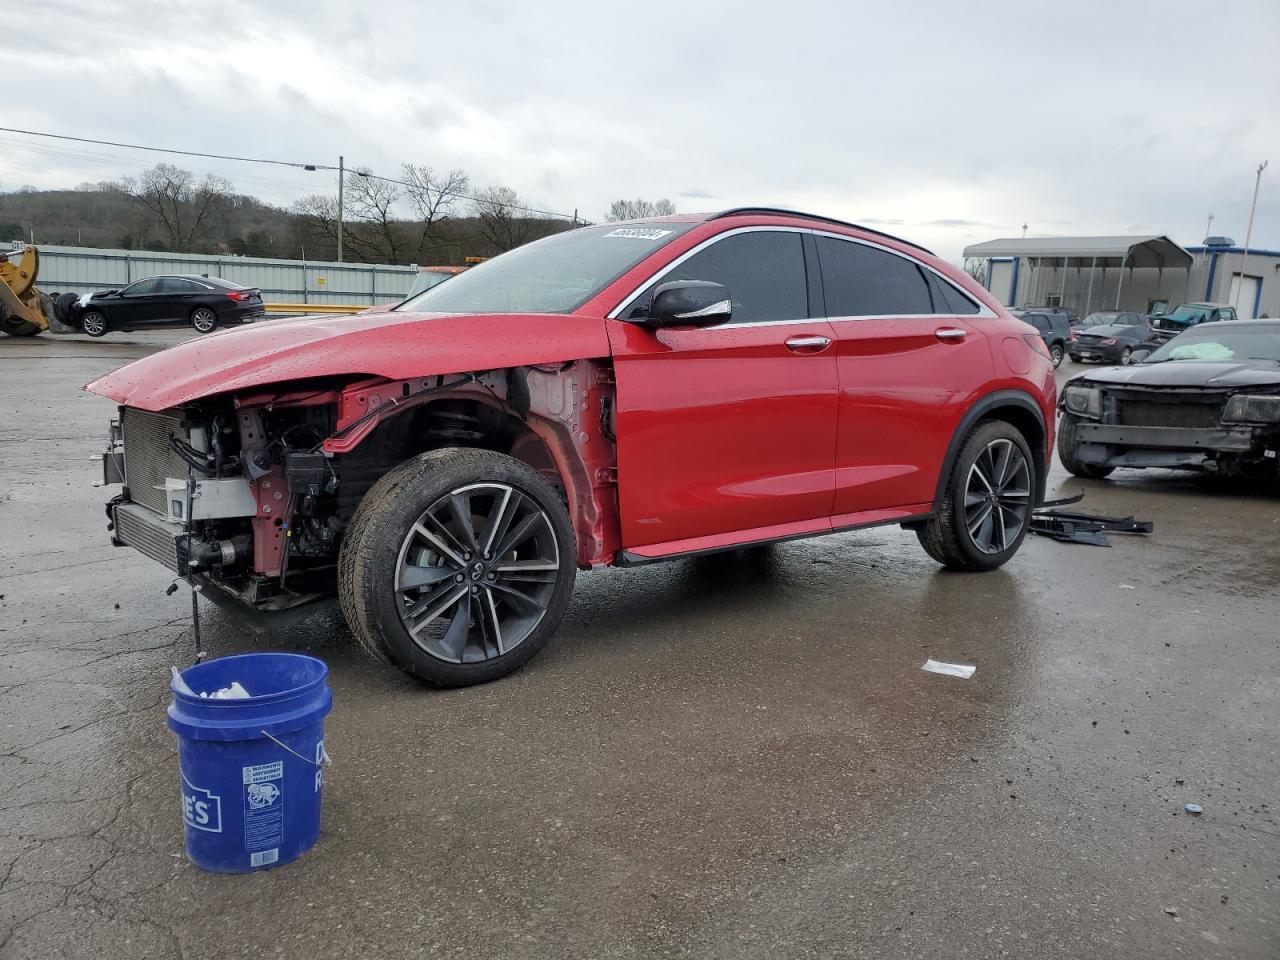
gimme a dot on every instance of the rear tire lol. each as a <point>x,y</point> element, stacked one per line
<point>474,618</point>
<point>204,320</point>
<point>949,537</point>
<point>1055,354</point>
<point>1068,448</point>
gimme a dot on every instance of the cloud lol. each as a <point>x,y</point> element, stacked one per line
<point>574,104</point>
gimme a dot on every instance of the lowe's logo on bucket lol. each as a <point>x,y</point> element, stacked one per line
<point>201,809</point>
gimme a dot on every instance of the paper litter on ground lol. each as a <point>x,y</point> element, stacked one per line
<point>962,670</point>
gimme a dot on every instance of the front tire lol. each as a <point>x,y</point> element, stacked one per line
<point>94,323</point>
<point>204,320</point>
<point>1126,357</point>
<point>986,509</point>
<point>457,566</point>
<point>1069,448</point>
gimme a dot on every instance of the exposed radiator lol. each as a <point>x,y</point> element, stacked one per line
<point>148,458</point>
<point>148,533</point>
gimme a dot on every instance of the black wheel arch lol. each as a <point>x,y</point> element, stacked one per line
<point>1018,408</point>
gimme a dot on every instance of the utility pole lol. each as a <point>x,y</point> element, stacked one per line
<point>341,177</point>
<point>1024,231</point>
<point>1208,227</point>
<point>1248,234</point>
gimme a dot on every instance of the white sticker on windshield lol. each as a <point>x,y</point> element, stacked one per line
<point>638,233</point>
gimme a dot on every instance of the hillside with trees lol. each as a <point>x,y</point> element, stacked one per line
<point>421,216</point>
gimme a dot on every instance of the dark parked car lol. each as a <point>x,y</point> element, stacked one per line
<point>1054,329</point>
<point>1071,316</point>
<point>1110,342</point>
<point>1209,398</point>
<point>204,302</point>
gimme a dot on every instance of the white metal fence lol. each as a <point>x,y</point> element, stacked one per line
<point>83,270</point>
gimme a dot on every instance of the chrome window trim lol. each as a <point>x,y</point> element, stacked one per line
<point>983,310</point>
<point>626,303</point>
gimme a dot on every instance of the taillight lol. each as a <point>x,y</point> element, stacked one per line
<point>239,295</point>
<point>1036,344</point>
<point>1109,342</point>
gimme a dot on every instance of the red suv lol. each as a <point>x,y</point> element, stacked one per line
<point>612,395</point>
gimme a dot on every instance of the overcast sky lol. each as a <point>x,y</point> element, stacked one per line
<point>946,122</point>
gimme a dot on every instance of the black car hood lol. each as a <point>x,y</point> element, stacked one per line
<point>1191,373</point>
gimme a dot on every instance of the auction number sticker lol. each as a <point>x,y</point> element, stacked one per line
<point>638,233</point>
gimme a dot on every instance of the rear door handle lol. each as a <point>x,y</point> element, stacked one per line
<point>808,344</point>
<point>950,334</point>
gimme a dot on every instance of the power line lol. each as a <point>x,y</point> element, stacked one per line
<point>281,163</point>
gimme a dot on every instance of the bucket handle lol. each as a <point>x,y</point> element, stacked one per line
<point>324,760</point>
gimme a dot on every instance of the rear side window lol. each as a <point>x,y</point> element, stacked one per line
<point>763,270</point>
<point>947,299</point>
<point>863,281</point>
<point>1037,320</point>
<point>177,285</point>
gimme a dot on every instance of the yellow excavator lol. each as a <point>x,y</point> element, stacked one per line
<point>24,309</point>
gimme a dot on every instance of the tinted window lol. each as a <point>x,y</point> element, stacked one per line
<point>947,299</point>
<point>763,270</point>
<point>1037,320</point>
<point>176,285</point>
<point>862,281</point>
<point>142,286</point>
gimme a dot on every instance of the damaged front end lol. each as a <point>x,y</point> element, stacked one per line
<point>249,495</point>
<point>1230,432</point>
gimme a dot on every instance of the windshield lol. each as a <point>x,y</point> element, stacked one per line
<point>425,281</point>
<point>1187,314</point>
<point>1221,342</point>
<point>554,275</point>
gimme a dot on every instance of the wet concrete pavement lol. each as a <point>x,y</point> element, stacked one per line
<point>735,756</point>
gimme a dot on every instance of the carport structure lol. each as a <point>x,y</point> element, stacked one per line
<point>1052,259</point>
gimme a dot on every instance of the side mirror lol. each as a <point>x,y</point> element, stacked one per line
<point>1139,354</point>
<point>689,303</point>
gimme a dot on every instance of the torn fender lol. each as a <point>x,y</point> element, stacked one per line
<point>397,346</point>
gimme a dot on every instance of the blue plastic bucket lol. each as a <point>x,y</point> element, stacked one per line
<point>252,769</point>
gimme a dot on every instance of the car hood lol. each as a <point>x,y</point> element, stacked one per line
<point>397,346</point>
<point>1191,373</point>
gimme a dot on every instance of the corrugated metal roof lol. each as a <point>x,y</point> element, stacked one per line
<point>1142,251</point>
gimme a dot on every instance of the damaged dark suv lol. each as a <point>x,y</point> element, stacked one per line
<point>1208,399</point>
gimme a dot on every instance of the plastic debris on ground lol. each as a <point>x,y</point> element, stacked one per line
<point>962,670</point>
<point>1194,809</point>
<point>1081,527</point>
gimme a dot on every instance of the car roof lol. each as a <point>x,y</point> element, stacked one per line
<point>775,212</point>
<point>198,278</point>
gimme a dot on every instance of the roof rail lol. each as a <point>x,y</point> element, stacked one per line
<point>816,216</point>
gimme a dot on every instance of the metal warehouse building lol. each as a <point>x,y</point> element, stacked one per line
<point>1145,273</point>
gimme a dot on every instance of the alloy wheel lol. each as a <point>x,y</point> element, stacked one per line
<point>94,324</point>
<point>204,320</point>
<point>997,496</point>
<point>476,573</point>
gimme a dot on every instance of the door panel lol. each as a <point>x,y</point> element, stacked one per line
<point>902,393</point>
<point>722,429</point>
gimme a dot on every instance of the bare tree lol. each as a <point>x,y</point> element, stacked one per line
<point>639,209</point>
<point>502,221</point>
<point>186,211</point>
<point>432,198</point>
<point>976,267</point>
<point>376,233</point>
